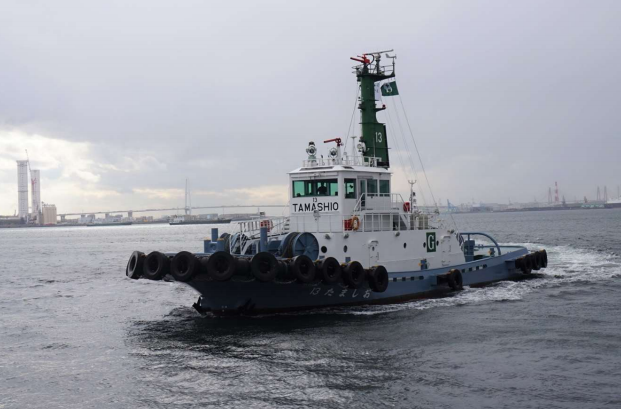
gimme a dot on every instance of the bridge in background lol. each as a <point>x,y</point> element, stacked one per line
<point>186,210</point>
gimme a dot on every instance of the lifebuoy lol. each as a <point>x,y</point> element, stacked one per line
<point>355,223</point>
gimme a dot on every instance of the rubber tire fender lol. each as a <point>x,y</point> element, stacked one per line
<point>329,270</point>
<point>378,278</point>
<point>534,257</point>
<point>242,268</point>
<point>264,266</point>
<point>184,266</point>
<point>455,280</point>
<point>519,263</point>
<point>284,274</point>
<point>544,258</point>
<point>220,266</point>
<point>527,265</point>
<point>353,274</point>
<point>134,265</point>
<point>303,269</point>
<point>156,266</point>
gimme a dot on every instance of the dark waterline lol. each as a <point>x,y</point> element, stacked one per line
<point>76,333</point>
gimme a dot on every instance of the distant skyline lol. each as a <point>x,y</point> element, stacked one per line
<point>118,103</point>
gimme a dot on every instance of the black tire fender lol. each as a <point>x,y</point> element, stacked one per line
<point>519,263</point>
<point>535,261</point>
<point>329,270</point>
<point>527,265</point>
<point>156,266</point>
<point>378,278</point>
<point>353,274</point>
<point>303,269</point>
<point>134,265</point>
<point>264,266</point>
<point>544,258</point>
<point>184,266</point>
<point>220,266</point>
<point>455,280</point>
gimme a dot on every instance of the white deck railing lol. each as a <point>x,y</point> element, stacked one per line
<point>368,221</point>
<point>367,161</point>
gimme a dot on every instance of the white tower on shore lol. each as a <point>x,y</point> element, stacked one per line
<point>35,183</point>
<point>22,188</point>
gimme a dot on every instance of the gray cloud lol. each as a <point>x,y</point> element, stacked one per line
<point>504,98</point>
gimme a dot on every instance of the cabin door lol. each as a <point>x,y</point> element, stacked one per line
<point>445,246</point>
<point>373,253</point>
<point>363,193</point>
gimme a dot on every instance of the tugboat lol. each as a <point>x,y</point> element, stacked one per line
<point>349,239</point>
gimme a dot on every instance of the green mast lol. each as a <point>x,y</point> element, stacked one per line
<point>373,133</point>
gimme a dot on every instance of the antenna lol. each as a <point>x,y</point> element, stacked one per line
<point>412,194</point>
<point>380,52</point>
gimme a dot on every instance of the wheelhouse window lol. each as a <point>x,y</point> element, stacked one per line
<point>372,187</point>
<point>350,188</point>
<point>384,188</point>
<point>322,187</point>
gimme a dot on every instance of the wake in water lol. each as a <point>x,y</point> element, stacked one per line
<point>565,265</point>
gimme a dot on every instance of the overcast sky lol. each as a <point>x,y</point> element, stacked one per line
<point>117,104</point>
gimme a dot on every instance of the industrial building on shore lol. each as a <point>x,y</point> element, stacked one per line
<point>38,213</point>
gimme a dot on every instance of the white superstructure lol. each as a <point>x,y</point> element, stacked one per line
<point>348,204</point>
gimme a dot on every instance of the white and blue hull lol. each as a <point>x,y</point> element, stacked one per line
<point>248,297</point>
